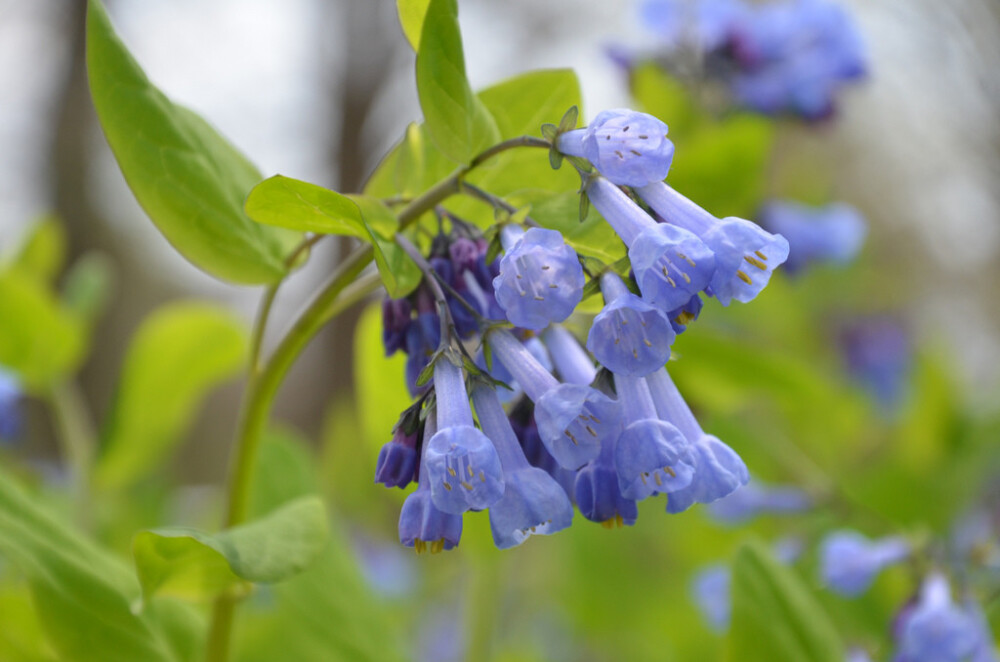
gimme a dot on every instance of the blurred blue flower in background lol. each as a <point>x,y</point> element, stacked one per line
<point>878,355</point>
<point>755,498</point>
<point>710,591</point>
<point>834,233</point>
<point>935,629</point>
<point>10,406</point>
<point>849,562</point>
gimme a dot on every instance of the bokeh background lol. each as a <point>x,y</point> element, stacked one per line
<point>319,90</point>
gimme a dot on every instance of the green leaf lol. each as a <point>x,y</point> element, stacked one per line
<point>39,338</point>
<point>43,250</point>
<point>297,205</point>
<point>188,178</point>
<point>178,354</point>
<point>457,120</point>
<point>196,566</point>
<point>82,595</point>
<point>88,287</point>
<point>775,618</point>
<point>400,274</point>
<point>411,18</point>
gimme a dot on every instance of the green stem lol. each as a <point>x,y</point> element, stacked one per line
<point>76,437</point>
<point>262,385</point>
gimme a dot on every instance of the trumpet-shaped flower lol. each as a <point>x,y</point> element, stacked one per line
<point>597,491</point>
<point>935,629</point>
<point>629,336</point>
<point>671,264</point>
<point>533,503</point>
<point>849,562</point>
<point>540,280</point>
<point>463,466</point>
<point>745,254</point>
<point>627,147</point>
<point>571,361</point>
<point>397,460</point>
<point>572,419</point>
<point>652,455</point>
<point>422,525</point>
<point>689,312</point>
<point>718,469</point>
<point>834,233</point>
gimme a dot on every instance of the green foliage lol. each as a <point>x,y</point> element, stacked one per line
<point>40,338</point>
<point>88,286</point>
<point>177,355</point>
<point>400,274</point>
<point>196,565</point>
<point>82,595</point>
<point>775,619</point>
<point>457,120</point>
<point>187,177</point>
<point>289,203</point>
<point>411,18</point>
<point>43,251</point>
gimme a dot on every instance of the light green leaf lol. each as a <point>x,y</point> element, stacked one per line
<point>775,618</point>
<point>194,565</point>
<point>87,287</point>
<point>400,274</point>
<point>411,18</point>
<point>179,353</point>
<point>42,251</point>
<point>82,595</point>
<point>297,205</point>
<point>457,121</point>
<point>39,338</point>
<point>188,178</point>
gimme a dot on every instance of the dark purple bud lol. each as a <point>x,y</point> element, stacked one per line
<point>395,322</point>
<point>443,268</point>
<point>397,461</point>
<point>463,253</point>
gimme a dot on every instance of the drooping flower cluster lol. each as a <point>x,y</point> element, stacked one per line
<point>788,56</point>
<point>602,425</point>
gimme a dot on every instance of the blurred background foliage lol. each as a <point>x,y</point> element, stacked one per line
<point>79,293</point>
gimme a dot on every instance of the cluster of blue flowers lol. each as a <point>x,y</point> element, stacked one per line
<point>783,57</point>
<point>601,426</point>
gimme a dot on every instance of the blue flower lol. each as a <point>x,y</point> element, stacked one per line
<point>710,591</point>
<point>463,466</point>
<point>533,503</point>
<point>10,405</point>
<point>540,280</point>
<point>985,650</point>
<point>718,469</point>
<point>598,495</point>
<point>395,323</point>
<point>684,315</point>
<point>652,456</point>
<point>849,562</point>
<point>397,461</point>
<point>754,499</point>
<point>745,254</point>
<point>572,363</point>
<point>627,147</point>
<point>572,419</point>
<point>878,355</point>
<point>671,264</point>
<point>629,336</point>
<point>421,524</point>
<point>834,233</point>
<point>935,629</point>
<point>706,24</point>
<point>522,420</point>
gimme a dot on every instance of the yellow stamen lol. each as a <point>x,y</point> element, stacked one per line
<point>744,278</point>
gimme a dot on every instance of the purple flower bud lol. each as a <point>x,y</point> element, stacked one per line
<point>627,147</point>
<point>464,254</point>
<point>395,323</point>
<point>397,461</point>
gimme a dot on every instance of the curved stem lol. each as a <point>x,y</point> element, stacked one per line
<point>263,384</point>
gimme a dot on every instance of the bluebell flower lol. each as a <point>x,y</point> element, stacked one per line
<point>684,315</point>
<point>397,460</point>
<point>463,465</point>
<point>572,419</point>
<point>745,254</point>
<point>422,525</point>
<point>706,25</point>
<point>879,356</point>
<point>572,363</point>
<point>627,147</point>
<point>422,340</point>
<point>795,56</point>
<point>710,590</point>
<point>396,321</point>
<point>834,233</point>
<point>935,629</point>
<point>533,503</point>
<point>671,264</point>
<point>652,456</point>
<point>540,280</point>
<point>10,405</point>
<point>754,499</point>
<point>985,649</point>
<point>597,491</point>
<point>718,469</point>
<point>629,336</point>
<point>849,562</point>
